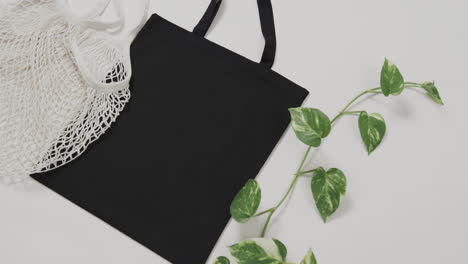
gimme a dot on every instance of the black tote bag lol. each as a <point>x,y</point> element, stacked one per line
<point>202,120</point>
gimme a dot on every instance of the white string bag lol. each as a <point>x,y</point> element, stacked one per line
<point>63,81</point>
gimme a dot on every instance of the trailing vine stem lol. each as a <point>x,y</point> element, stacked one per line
<point>352,101</point>
<point>272,210</point>
<point>299,173</point>
<point>328,186</point>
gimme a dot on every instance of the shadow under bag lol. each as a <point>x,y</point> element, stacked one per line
<point>202,120</point>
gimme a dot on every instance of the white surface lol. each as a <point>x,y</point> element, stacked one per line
<point>406,203</point>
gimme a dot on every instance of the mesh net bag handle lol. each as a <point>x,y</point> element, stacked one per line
<point>120,75</point>
<point>90,18</point>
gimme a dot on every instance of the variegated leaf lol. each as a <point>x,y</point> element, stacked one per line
<point>259,251</point>
<point>309,258</point>
<point>246,202</point>
<point>328,189</point>
<point>432,92</point>
<point>372,128</point>
<point>310,125</point>
<point>391,80</point>
<point>222,260</point>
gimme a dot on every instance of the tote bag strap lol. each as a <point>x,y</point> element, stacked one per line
<point>266,20</point>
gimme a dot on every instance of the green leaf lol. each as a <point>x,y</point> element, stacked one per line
<point>310,125</point>
<point>328,189</point>
<point>281,248</point>
<point>222,260</point>
<point>372,128</point>
<point>246,202</point>
<point>432,92</point>
<point>391,80</point>
<point>259,251</point>
<point>309,258</point>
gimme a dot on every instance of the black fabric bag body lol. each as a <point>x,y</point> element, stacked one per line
<point>202,120</point>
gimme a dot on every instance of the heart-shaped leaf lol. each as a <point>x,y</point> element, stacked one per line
<point>372,128</point>
<point>309,258</point>
<point>391,80</point>
<point>246,202</point>
<point>310,125</point>
<point>259,251</point>
<point>222,260</point>
<point>432,92</point>
<point>328,189</point>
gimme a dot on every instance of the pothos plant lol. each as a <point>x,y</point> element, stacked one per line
<point>328,186</point>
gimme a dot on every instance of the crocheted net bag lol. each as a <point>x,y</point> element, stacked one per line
<point>64,80</point>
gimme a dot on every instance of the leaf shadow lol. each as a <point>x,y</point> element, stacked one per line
<point>401,107</point>
<point>252,228</point>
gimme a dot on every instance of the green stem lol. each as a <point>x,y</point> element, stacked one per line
<point>264,212</point>
<point>412,84</point>
<point>305,172</point>
<point>299,173</point>
<point>352,101</point>
<point>273,210</point>
<point>352,112</point>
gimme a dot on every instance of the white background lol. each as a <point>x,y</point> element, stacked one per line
<point>406,203</point>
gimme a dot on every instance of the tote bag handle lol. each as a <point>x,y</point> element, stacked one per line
<point>267,23</point>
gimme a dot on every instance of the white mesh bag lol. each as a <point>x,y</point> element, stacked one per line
<point>64,80</point>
